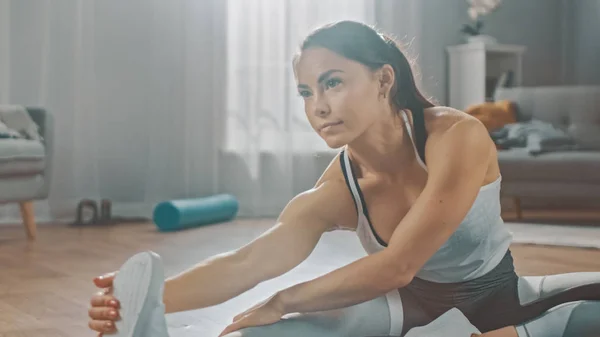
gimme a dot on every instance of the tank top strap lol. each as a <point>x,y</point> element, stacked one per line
<point>351,181</point>
<point>419,137</point>
<point>357,195</point>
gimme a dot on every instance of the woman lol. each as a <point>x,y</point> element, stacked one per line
<point>420,185</point>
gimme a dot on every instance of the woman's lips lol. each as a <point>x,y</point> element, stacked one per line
<point>328,126</point>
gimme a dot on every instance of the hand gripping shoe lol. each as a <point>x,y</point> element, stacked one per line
<point>139,288</point>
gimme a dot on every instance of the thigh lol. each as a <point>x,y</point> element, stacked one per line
<point>414,312</point>
<point>370,318</point>
<point>576,319</point>
<point>528,297</point>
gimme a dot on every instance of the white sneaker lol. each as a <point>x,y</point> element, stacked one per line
<point>139,288</point>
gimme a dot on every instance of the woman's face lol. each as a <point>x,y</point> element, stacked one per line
<point>342,98</point>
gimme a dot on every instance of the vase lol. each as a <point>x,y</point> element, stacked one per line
<point>482,38</point>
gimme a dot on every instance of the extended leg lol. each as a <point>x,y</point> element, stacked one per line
<point>574,319</point>
<point>538,294</point>
<point>366,319</point>
<point>528,298</point>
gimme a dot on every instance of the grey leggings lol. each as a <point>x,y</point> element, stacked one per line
<point>370,318</point>
<point>496,300</point>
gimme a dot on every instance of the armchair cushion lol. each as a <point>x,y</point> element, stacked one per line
<point>21,157</point>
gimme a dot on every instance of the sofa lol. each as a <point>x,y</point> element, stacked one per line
<point>25,163</point>
<point>573,172</point>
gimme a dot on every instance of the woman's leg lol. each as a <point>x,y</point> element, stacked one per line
<point>366,319</point>
<point>563,304</point>
<point>573,319</point>
<point>527,298</point>
<point>395,314</point>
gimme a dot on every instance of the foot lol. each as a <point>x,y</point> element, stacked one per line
<point>139,286</point>
<point>575,319</point>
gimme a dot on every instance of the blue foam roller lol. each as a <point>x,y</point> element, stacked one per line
<point>186,213</point>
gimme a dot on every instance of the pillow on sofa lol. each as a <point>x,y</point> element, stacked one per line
<point>17,118</point>
<point>5,132</point>
<point>586,135</point>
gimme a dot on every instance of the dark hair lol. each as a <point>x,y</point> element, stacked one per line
<point>361,43</point>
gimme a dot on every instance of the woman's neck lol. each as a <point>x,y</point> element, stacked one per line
<point>384,148</point>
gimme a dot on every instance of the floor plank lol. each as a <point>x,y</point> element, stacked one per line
<point>45,285</point>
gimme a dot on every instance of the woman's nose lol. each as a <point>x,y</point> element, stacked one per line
<point>322,108</point>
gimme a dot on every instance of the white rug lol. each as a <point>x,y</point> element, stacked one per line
<point>555,235</point>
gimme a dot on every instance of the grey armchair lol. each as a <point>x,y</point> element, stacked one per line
<point>25,168</point>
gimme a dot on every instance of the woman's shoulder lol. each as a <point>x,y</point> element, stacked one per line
<point>451,130</point>
<point>447,124</point>
<point>440,119</point>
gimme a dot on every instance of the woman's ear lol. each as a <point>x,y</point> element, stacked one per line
<point>386,77</point>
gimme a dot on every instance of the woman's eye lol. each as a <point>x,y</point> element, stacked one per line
<point>332,82</point>
<point>304,93</point>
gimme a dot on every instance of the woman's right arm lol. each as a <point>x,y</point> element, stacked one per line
<point>275,252</point>
<point>225,276</point>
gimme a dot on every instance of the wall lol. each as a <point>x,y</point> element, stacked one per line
<point>582,42</point>
<point>4,50</point>
<point>537,24</point>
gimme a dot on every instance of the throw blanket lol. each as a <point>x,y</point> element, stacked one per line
<point>535,135</point>
<point>15,122</point>
<point>494,115</point>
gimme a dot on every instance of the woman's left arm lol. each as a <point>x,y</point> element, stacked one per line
<point>457,166</point>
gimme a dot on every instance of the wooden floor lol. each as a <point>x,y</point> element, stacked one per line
<point>45,286</point>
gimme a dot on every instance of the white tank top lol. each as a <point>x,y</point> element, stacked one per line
<point>475,248</point>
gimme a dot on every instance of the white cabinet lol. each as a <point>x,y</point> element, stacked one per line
<point>474,70</point>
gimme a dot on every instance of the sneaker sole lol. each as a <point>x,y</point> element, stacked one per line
<point>136,285</point>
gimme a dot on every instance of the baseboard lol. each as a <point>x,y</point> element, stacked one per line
<point>65,211</point>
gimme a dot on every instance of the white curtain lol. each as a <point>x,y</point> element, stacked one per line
<point>268,134</point>
<point>157,100</point>
<point>134,87</point>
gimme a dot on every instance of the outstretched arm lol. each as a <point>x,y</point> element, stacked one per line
<point>275,252</point>
<point>457,168</point>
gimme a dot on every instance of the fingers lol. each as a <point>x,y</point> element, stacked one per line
<point>102,319</point>
<point>233,327</point>
<point>103,314</point>
<point>104,310</point>
<point>105,281</point>
<point>102,326</point>
<point>102,300</point>
<point>238,317</point>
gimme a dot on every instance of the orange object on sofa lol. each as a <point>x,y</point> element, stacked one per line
<point>494,115</point>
